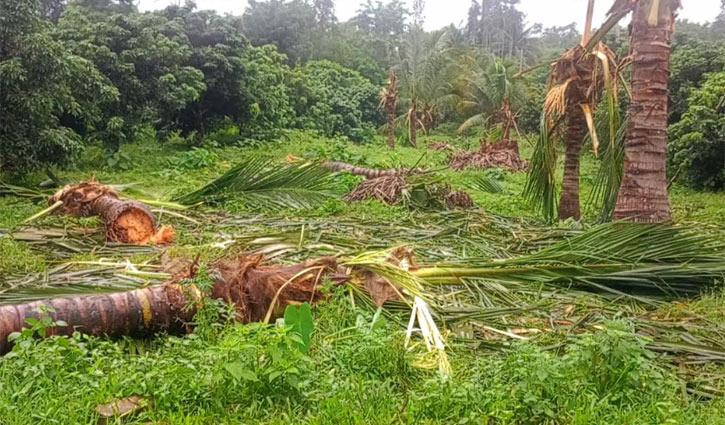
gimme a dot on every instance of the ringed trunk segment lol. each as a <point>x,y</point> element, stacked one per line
<point>369,173</point>
<point>125,221</point>
<point>643,192</point>
<point>575,133</point>
<point>170,308</point>
<point>136,313</point>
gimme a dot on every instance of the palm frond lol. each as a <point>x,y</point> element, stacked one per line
<point>621,259</point>
<point>540,189</point>
<point>476,120</point>
<point>486,183</point>
<point>266,184</point>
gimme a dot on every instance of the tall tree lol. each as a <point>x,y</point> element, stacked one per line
<point>643,192</point>
<point>47,95</point>
<point>325,14</point>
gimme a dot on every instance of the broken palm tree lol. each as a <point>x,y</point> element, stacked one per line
<point>255,290</point>
<point>503,153</point>
<point>419,191</point>
<point>126,221</point>
<point>577,81</point>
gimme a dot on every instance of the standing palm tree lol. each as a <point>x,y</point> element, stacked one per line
<point>578,78</point>
<point>424,72</point>
<point>389,100</point>
<point>491,94</point>
<point>643,192</point>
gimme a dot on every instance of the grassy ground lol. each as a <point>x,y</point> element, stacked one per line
<point>357,370</point>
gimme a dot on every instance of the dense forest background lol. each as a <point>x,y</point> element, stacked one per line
<point>75,73</point>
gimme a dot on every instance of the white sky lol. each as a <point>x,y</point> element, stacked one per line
<point>439,13</point>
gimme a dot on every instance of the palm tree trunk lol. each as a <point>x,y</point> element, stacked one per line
<point>643,193</point>
<point>391,126</point>
<point>576,130</point>
<point>126,221</point>
<point>252,288</point>
<point>413,124</point>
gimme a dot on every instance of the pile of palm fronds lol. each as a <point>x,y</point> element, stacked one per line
<point>420,191</point>
<point>620,259</point>
<point>504,153</point>
<point>447,235</point>
<point>266,184</point>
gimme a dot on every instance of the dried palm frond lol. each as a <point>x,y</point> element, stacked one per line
<point>266,184</point>
<point>555,102</point>
<point>503,153</point>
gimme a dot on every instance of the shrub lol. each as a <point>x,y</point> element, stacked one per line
<point>334,100</point>
<point>697,143</point>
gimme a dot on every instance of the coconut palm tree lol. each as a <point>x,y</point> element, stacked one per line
<point>425,73</point>
<point>491,94</point>
<point>389,100</point>
<point>577,80</point>
<point>643,191</point>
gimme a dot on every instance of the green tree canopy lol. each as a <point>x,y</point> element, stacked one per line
<point>47,94</point>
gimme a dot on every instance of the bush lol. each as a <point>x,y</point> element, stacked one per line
<point>697,142</point>
<point>46,93</point>
<point>334,100</point>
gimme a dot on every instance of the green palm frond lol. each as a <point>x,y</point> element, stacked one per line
<point>540,189</point>
<point>486,183</point>
<point>267,184</point>
<point>621,259</point>
<point>476,120</point>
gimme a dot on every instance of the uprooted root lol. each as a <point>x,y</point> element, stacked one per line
<point>504,153</point>
<point>125,221</point>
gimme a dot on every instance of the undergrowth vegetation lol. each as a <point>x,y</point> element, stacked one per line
<point>357,369</point>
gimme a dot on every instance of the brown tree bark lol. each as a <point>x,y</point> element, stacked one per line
<point>170,307</point>
<point>413,123</point>
<point>390,99</point>
<point>576,130</point>
<point>643,192</point>
<point>391,127</point>
<point>126,221</point>
<point>369,173</point>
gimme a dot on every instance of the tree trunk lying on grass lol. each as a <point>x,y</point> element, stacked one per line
<point>369,173</point>
<point>252,288</point>
<point>126,221</point>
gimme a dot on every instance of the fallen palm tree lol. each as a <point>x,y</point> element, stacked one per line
<point>256,291</point>
<point>126,221</point>
<point>368,173</point>
<point>504,153</point>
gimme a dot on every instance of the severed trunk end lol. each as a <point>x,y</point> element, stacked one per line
<point>126,221</point>
<point>258,292</point>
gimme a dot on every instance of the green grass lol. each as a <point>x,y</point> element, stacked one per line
<point>358,372</point>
